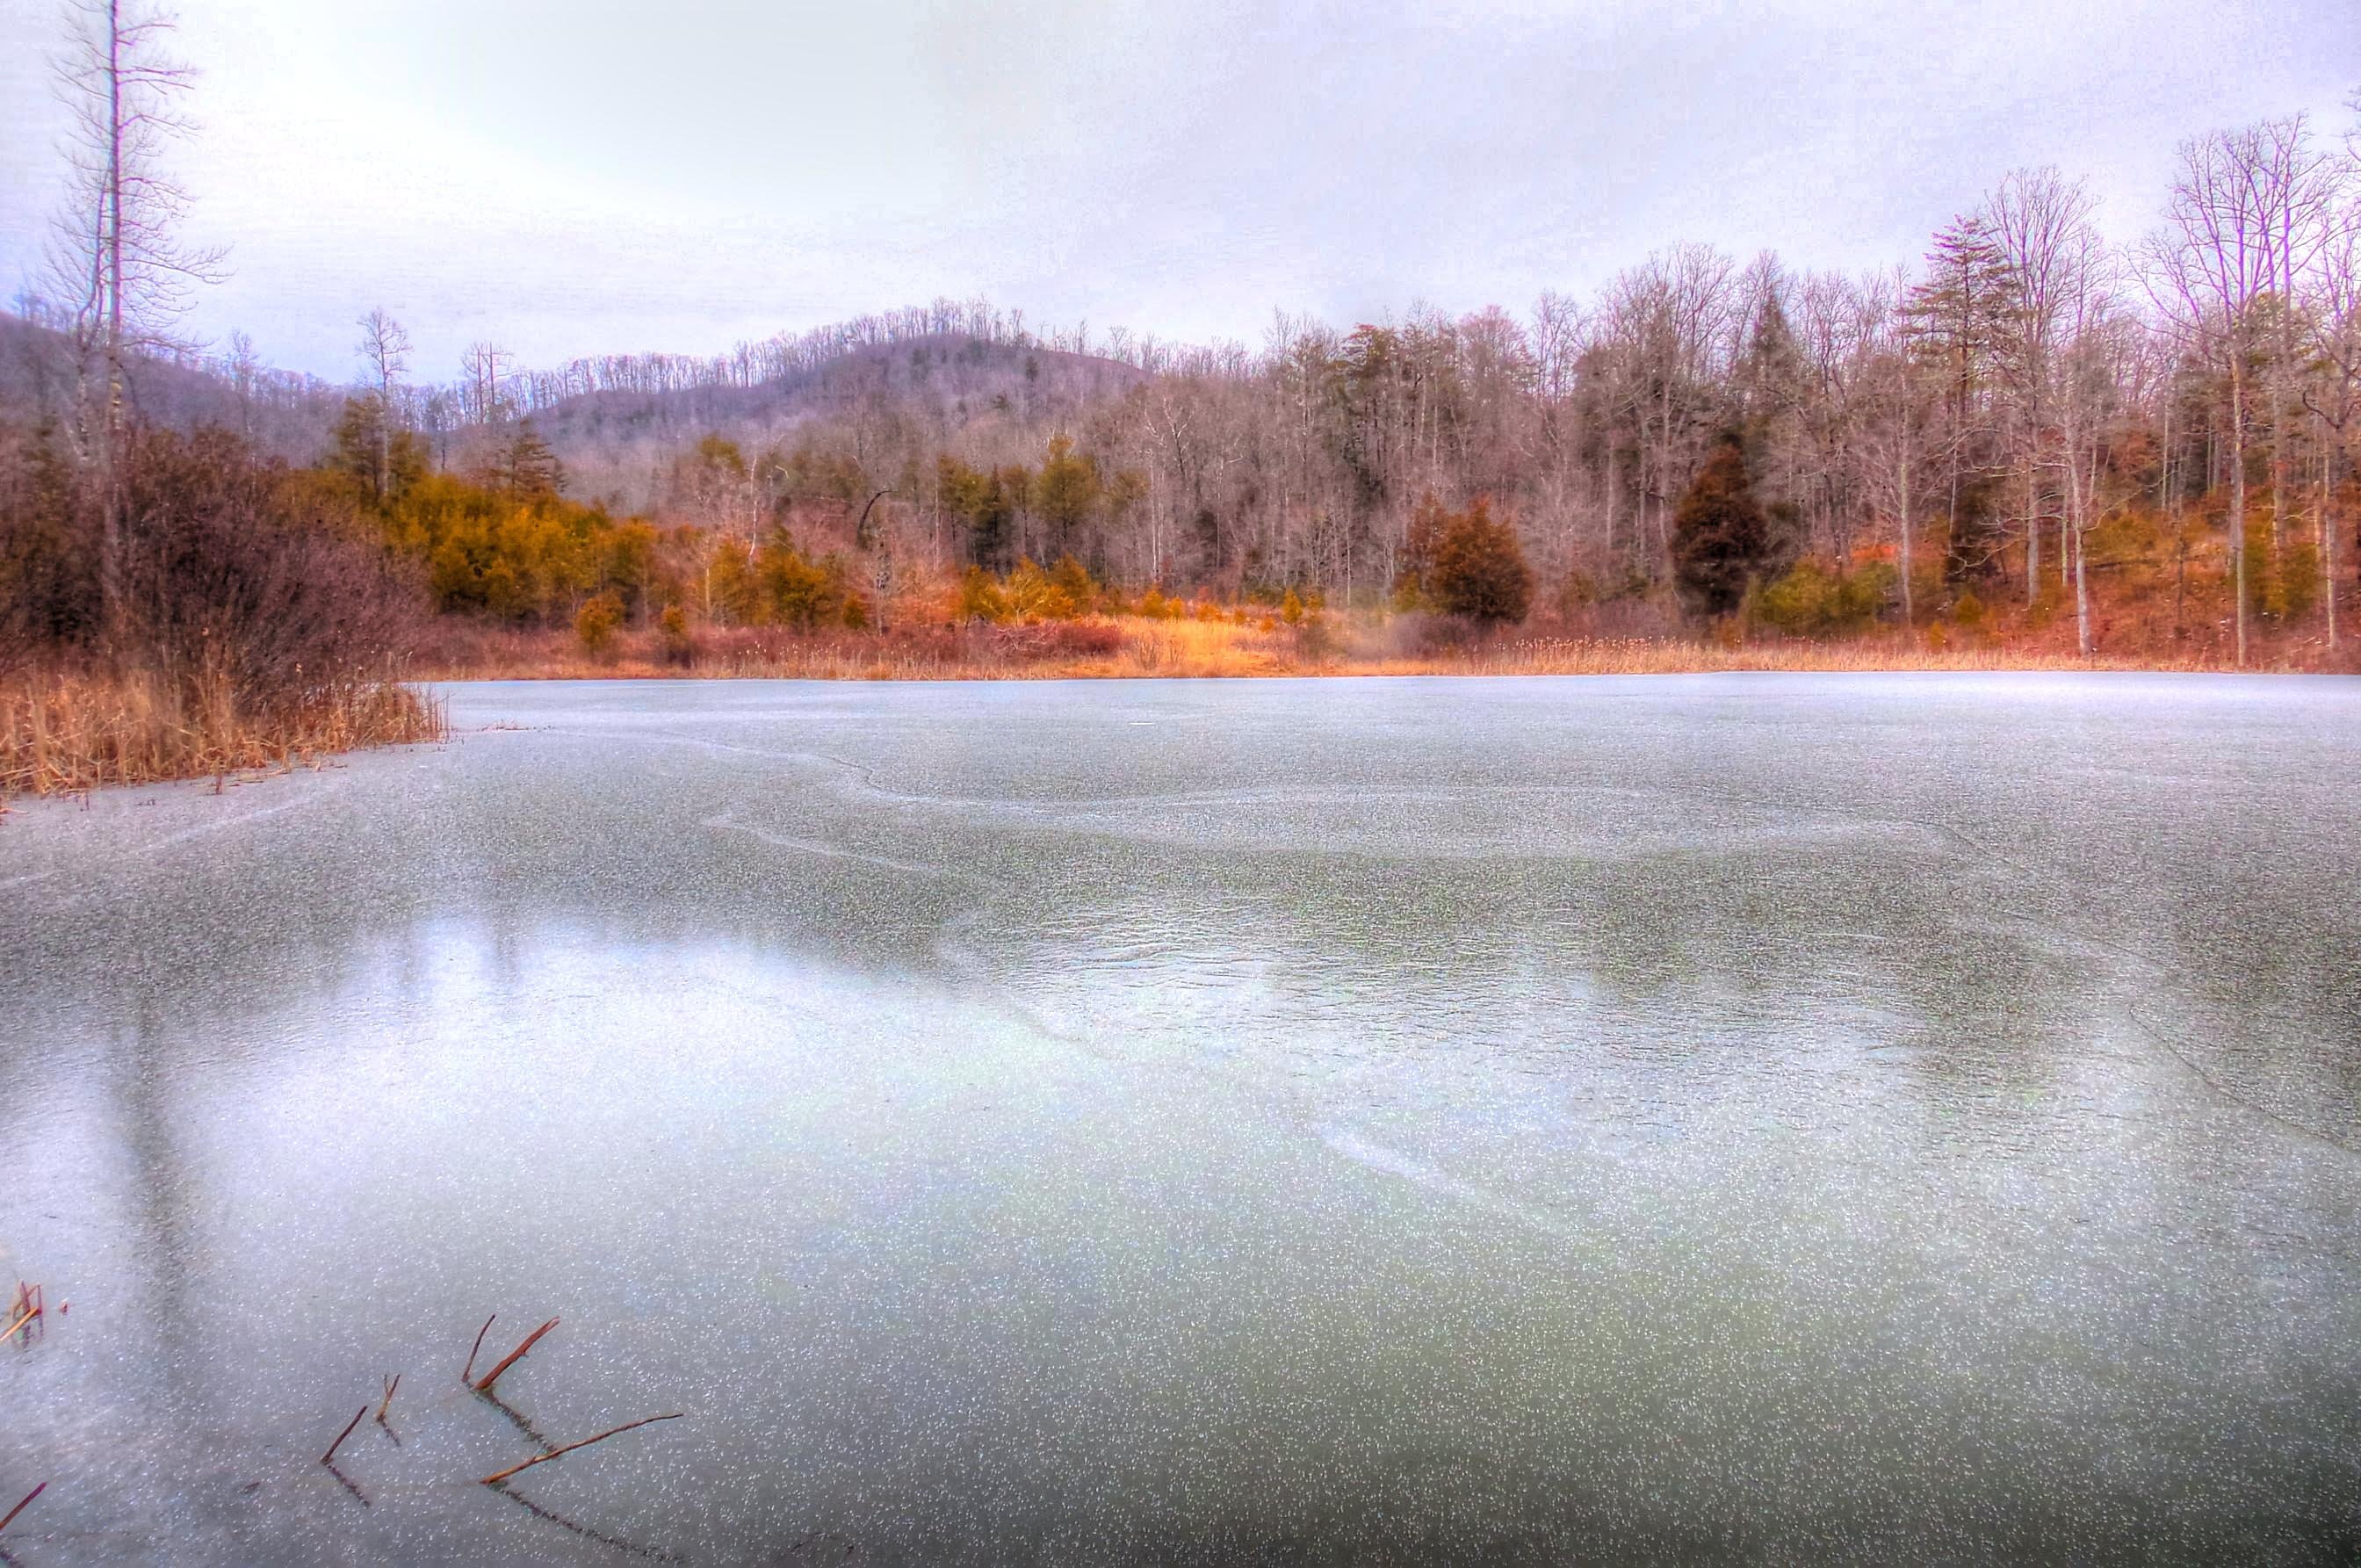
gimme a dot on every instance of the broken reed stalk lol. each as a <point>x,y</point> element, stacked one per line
<point>10,1518</point>
<point>555,1452</point>
<point>329,1458</point>
<point>28,1308</point>
<point>387,1403</point>
<point>514,1356</point>
<point>468,1371</point>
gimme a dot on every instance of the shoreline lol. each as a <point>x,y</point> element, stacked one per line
<point>887,673</point>
<point>254,763</point>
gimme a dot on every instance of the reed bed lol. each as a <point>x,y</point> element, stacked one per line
<point>1131,647</point>
<point>61,732</point>
<point>1653,657</point>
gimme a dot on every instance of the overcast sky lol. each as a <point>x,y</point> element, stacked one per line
<point>581,177</point>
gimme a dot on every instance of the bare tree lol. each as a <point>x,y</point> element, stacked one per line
<point>2097,352</point>
<point>1901,394</point>
<point>384,351</point>
<point>2043,222</point>
<point>245,368</point>
<point>2301,186</point>
<point>2332,388</point>
<point>115,253</point>
<point>2212,267</point>
<point>487,367</point>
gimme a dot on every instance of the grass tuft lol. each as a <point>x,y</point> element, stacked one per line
<point>65,732</point>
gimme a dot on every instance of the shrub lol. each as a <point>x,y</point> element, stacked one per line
<point>224,570</point>
<point>1811,600</point>
<point>48,564</point>
<point>1075,593</point>
<point>1057,640</point>
<point>2299,582</point>
<point>1031,596</point>
<point>1721,536</point>
<point>792,589</point>
<point>672,628</point>
<point>982,598</point>
<point>1578,592</point>
<point>1478,570</point>
<point>595,623</point>
<point>1316,641</point>
<point>248,618</point>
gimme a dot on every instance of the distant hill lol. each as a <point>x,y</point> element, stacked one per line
<point>283,413</point>
<point>889,404</point>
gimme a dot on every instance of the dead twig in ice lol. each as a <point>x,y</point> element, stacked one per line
<point>514,1356</point>
<point>329,1458</point>
<point>10,1517</point>
<point>555,1452</point>
<point>385,1404</point>
<point>468,1371</point>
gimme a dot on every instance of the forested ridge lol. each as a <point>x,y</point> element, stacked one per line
<point>2023,410</point>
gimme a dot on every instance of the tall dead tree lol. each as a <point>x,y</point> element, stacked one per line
<point>488,368</point>
<point>384,351</point>
<point>115,256</point>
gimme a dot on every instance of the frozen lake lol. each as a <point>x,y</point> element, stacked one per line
<point>1786,1118</point>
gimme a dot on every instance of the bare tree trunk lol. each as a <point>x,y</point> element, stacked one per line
<point>2238,500</point>
<point>1908,615</point>
<point>2033,518</point>
<point>2077,524</point>
<point>2328,547</point>
<point>110,546</point>
<point>2081,595</point>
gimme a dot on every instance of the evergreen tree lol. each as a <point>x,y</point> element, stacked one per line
<point>1478,570</point>
<point>1721,538</point>
<point>381,457</point>
<point>1964,322</point>
<point>525,465</point>
<point>1770,376</point>
<point>1065,494</point>
<point>991,525</point>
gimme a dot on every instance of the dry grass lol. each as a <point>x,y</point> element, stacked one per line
<point>63,733</point>
<point>1097,648</point>
<point>1650,656</point>
<point>1132,646</point>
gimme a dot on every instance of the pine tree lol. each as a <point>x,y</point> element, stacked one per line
<point>1065,494</point>
<point>526,466</point>
<point>992,525</point>
<point>1769,376</point>
<point>382,459</point>
<point>1963,321</point>
<point>1721,538</point>
<point>1965,314</point>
